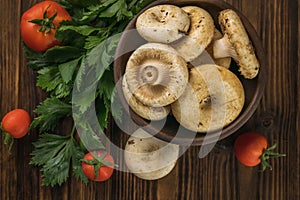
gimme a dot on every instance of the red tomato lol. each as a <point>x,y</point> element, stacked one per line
<point>42,37</point>
<point>16,123</point>
<point>98,165</point>
<point>252,149</point>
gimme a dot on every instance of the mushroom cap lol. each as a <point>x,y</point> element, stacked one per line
<point>213,99</point>
<point>199,36</point>
<point>156,75</point>
<point>233,28</point>
<point>148,157</point>
<point>163,23</point>
<point>147,112</point>
<point>224,62</point>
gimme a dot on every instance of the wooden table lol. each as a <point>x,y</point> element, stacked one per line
<point>217,176</point>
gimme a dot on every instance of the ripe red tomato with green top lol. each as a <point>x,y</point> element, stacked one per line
<point>249,147</point>
<point>252,149</point>
<point>16,123</point>
<point>98,165</point>
<point>39,24</point>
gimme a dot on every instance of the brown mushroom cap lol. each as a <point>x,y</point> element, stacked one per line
<point>236,37</point>
<point>156,74</point>
<point>213,98</point>
<point>150,113</point>
<point>163,23</point>
<point>199,35</point>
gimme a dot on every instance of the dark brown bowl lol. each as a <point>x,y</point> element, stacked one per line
<point>253,88</point>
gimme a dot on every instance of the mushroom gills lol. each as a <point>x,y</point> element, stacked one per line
<point>156,75</point>
<point>149,158</point>
<point>147,112</point>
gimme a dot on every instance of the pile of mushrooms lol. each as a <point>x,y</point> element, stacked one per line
<point>161,78</point>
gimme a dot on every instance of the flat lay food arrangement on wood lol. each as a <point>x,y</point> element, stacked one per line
<point>148,99</point>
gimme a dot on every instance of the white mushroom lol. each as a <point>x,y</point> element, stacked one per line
<point>148,157</point>
<point>224,62</point>
<point>163,23</point>
<point>199,35</point>
<point>156,75</point>
<point>236,44</point>
<point>147,112</point>
<point>213,98</point>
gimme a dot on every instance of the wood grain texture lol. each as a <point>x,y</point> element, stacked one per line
<point>218,175</point>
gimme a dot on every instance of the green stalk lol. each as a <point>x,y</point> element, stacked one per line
<point>267,154</point>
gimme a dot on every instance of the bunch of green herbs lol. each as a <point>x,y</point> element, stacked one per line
<point>63,69</point>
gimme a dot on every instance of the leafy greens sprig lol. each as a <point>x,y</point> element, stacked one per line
<point>63,70</point>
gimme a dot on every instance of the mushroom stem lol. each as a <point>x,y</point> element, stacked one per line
<point>149,74</point>
<point>222,48</point>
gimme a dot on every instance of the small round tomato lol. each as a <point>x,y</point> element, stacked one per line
<point>39,23</point>
<point>252,149</point>
<point>16,123</point>
<point>98,165</point>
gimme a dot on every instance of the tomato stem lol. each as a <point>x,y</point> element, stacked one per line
<point>8,140</point>
<point>267,154</point>
<point>73,131</point>
<point>45,23</point>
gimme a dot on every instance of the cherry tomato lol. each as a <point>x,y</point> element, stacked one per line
<point>251,149</point>
<point>16,123</point>
<point>39,23</point>
<point>98,165</point>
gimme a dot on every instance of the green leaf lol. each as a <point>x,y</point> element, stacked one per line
<point>84,30</point>
<point>61,54</point>
<point>94,10</point>
<point>51,112</point>
<point>50,79</point>
<point>116,107</point>
<point>112,10</point>
<point>91,71</point>
<point>67,69</point>
<point>78,154</point>
<point>55,153</point>
<point>81,3</point>
<point>89,130</point>
<point>93,41</point>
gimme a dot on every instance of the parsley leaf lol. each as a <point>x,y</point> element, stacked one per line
<point>55,153</point>
<point>51,112</point>
<point>50,79</point>
<point>67,70</point>
<point>61,54</point>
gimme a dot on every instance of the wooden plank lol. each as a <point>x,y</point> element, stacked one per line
<point>217,176</point>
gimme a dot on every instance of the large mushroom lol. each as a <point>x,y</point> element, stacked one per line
<point>236,44</point>
<point>163,23</point>
<point>213,98</point>
<point>199,35</point>
<point>156,75</point>
<point>148,157</point>
<point>147,112</point>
